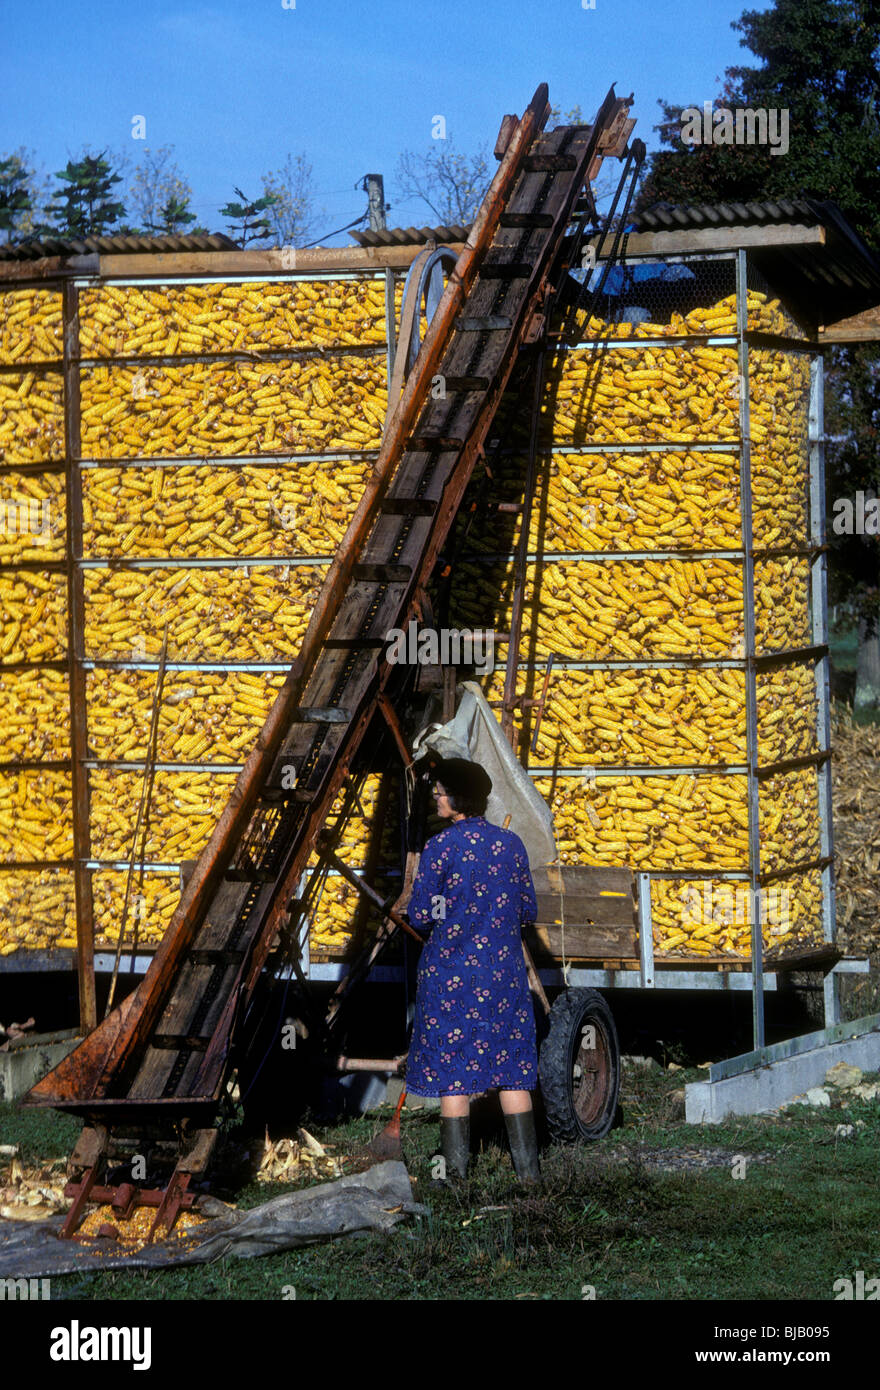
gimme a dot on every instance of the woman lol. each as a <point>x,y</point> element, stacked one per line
<point>474,1029</point>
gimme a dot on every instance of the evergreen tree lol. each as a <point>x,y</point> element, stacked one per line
<point>16,201</point>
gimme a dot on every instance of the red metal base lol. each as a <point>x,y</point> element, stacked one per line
<point>123,1199</point>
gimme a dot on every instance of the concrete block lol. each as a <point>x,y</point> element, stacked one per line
<point>22,1067</point>
<point>768,1087</point>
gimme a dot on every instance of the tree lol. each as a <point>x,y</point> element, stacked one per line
<point>452,184</point>
<point>820,63</point>
<point>158,195</point>
<point>16,199</point>
<point>83,205</point>
<point>23,193</point>
<point>292,215</point>
<point>253,225</point>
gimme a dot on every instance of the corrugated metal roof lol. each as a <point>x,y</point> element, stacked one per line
<point>675,217</point>
<point>829,281</point>
<point>411,236</point>
<point>39,247</point>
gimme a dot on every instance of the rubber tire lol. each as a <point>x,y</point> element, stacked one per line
<point>571,1012</point>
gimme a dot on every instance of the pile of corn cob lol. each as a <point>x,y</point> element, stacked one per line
<point>205,716</point>
<point>763,315</point>
<point>256,614</point>
<point>303,405</point>
<point>37,909</point>
<point>152,902</point>
<point>789,819</point>
<point>31,417</point>
<point>713,917</point>
<point>362,836</point>
<point>167,320</point>
<point>32,517</point>
<point>689,822</point>
<point>184,809</point>
<point>36,815</point>
<point>215,511</point>
<point>34,716</point>
<point>662,500</point>
<point>30,326</point>
<point>33,616</point>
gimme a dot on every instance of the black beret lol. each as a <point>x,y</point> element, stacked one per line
<point>462,778</point>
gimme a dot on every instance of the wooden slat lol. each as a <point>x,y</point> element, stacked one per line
<point>586,942</point>
<point>490,323</point>
<point>549,163</point>
<point>577,907</point>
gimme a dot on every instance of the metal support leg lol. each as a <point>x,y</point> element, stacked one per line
<point>831,991</point>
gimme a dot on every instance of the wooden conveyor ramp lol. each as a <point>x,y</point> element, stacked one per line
<point>163,1054</point>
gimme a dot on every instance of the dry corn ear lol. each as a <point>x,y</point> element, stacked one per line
<point>632,821</point>
<point>308,405</point>
<point>37,910</point>
<point>184,807</point>
<point>31,417</point>
<point>259,614</point>
<point>36,815</point>
<point>171,319</point>
<point>30,326</point>
<point>34,716</point>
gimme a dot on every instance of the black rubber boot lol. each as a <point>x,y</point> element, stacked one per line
<point>523,1145</point>
<point>455,1143</point>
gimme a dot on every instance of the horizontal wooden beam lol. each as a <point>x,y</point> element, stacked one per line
<point>280,261</point>
<point>285,261</point>
<point>675,243</point>
<point>860,328</point>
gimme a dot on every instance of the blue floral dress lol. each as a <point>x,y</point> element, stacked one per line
<point>474,1028</point>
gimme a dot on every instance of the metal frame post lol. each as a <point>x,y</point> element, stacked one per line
<point>819,629</point>
<point>745,475</point>
<point>85,920</point>
<point>646,931</point>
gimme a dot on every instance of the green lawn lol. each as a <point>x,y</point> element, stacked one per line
<point>803,1215</point>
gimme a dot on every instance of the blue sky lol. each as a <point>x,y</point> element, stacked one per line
<point>234,85</point>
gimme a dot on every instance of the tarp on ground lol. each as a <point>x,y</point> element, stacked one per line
<point>373,1201</point>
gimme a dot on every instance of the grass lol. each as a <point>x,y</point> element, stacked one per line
<point>607,1219</point>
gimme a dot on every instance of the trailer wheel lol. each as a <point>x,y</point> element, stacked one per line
<point>579,1067</point>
